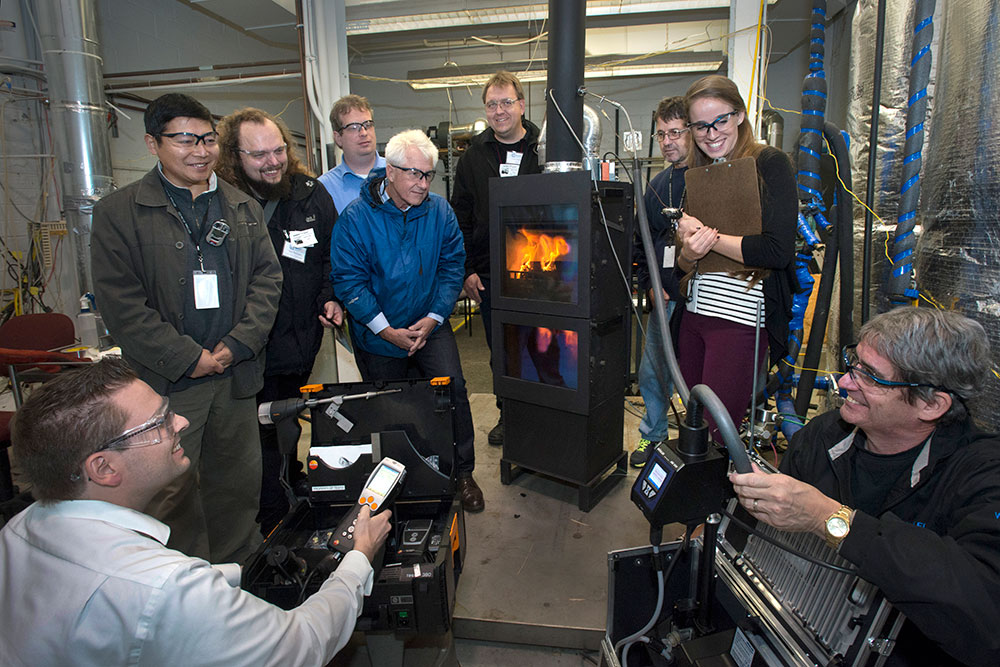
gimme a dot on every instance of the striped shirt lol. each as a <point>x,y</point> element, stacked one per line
<point>721,295</point>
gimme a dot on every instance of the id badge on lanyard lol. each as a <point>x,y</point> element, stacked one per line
<point>206,290</point>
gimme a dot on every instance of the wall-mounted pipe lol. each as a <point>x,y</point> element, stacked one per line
<point>71,52</point>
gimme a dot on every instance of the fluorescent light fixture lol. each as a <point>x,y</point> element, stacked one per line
<point>477,75</point>
<point>360,24</point>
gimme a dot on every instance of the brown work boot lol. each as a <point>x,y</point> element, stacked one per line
<point>470,494</point>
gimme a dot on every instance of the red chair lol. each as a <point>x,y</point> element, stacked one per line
<point>29,347</point>
<point>38,331</point>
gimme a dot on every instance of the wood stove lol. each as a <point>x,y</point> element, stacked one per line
<point>560,312</point>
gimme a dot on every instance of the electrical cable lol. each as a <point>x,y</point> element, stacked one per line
<point>784,547</point>
<point>622,645</point>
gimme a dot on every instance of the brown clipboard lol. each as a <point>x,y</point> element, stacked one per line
<point>725,195</point>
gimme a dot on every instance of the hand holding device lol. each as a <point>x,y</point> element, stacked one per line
<point>382,487</point>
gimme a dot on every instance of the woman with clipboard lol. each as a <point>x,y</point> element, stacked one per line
<point>736,241</point>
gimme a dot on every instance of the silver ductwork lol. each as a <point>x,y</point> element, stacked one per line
<point>592,135</point>
<point>957,259</point>
<point>74,68</point>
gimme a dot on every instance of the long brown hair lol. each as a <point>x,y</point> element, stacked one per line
<point>228,167</point>
<point>722,88</point>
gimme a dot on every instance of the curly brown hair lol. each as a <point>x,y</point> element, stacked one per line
<point>229,168</point>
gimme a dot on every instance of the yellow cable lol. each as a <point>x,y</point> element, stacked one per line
<point>756,53</point>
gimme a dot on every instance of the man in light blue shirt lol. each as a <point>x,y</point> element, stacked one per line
<point>354,133</point>
<point>85,578</point>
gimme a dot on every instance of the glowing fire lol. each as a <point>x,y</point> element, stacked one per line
<point>541,248</point>
<point>568,340</point>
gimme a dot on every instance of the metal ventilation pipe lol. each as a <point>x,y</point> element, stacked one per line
<point>73,65</point>
<point>592,135</point>
<point>564,88</point>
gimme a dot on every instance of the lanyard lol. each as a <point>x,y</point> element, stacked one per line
<point>670,189</point>
<point>204,219</point>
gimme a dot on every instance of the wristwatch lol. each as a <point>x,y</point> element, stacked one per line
<point>838,525</point>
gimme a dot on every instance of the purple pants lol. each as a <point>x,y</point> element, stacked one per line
<point>719,353</point>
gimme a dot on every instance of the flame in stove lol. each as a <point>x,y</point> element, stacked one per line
<point>568,339</point>
<point>541,248</point>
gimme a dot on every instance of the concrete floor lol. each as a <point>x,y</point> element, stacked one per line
<point>534,587</point>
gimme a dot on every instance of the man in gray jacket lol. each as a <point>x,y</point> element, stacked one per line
<point>188,284</point>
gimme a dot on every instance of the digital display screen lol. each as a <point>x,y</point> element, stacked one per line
<point>383,479</point>
<point>656,476</point>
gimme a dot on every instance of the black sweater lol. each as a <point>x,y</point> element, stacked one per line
<point>471,197</point>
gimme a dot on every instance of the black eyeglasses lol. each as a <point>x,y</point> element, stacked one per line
<point>190,139</point>
<point>866,378</point>
<point>261,155</point>
<point>673,135</point>
<point>163,417</point>
<point>416,174</point>
<point>357,127</point>
<point>718,124</point>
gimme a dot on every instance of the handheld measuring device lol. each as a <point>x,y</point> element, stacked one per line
<point>382,487</point>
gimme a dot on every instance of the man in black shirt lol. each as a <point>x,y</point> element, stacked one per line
<point>903,484</point>
<point>257,155</point>
<point>508,147</point>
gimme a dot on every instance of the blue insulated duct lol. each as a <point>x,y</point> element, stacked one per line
<point>904,241</point>
<point>813,110</point>
<point>808,179</point>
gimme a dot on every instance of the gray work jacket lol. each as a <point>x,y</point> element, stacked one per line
<point>141,281</point>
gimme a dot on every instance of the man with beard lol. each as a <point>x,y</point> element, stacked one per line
<point>188,284</point>
<point>257,155</point>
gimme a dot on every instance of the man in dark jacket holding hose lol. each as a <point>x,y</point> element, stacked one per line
<point>903,485</point>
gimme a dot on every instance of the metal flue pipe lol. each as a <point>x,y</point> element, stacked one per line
<point>564,88</point>
<point>73,65</point>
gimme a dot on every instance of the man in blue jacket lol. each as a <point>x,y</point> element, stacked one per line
<point>398,265</point>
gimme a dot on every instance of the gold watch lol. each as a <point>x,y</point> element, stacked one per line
<point>838,525</point>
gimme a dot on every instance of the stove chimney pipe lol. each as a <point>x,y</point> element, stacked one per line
<point>564,88</point>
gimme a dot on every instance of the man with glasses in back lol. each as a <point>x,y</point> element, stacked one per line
<point>257,155</point>
<point>354,133</point>
<point>508,147</point>
<point>85,578</point>
<point>188,284</point>
<point>665,194</point>
<point>902,483</point>
<point>398,265</point>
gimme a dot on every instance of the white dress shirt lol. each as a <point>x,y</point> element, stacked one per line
<point>85,582</point>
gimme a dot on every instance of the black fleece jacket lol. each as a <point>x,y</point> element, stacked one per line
<point>471,196</point>
<point>934,547</point>
<point>296,336</point>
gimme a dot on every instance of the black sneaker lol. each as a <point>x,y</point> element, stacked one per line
<point>641,454</point>
<point>495,437</point>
